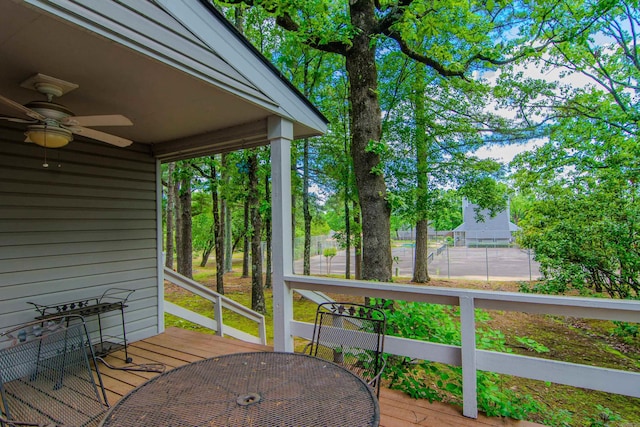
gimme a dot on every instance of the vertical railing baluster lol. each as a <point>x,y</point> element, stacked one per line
<point>469,373</point>
<point>218,315</point>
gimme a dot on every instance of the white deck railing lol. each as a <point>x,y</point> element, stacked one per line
<point>468,356</point>
<point>219,302</point>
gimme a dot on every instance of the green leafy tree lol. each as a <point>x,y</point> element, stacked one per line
<point>447,211</point>
<point>183,176</point>
<point>519,205</point>
<point>331,169</point>
<point>453,41</point>
<point>585,222</point>
<point>430,152</point>
<point>208,169</point>
<point>307,70</point>
<point>169,211</point>
<point>257,290</point>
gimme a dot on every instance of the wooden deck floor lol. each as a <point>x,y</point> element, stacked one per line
<point>177,347</point>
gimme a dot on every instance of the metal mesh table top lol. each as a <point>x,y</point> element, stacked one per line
<point>261,389</point>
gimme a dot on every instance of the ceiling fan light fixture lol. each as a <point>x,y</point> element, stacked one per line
<point>48,137</point>
<point>54,124</point>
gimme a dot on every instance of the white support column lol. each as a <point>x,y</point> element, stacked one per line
<point>280,134</point>
<point>469,373</point>
<point>159,249</point>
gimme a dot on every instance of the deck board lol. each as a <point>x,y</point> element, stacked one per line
<point>176,347</point>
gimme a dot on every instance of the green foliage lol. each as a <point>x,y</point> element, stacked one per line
<point>604,417</point>
<point>330,252</point>
<point>319,226</point>
<point>454,44</point>
<point>377,147</point>
<point>447,211</point>
<point>498,401</point>
<point>519,205</point>
<point>433,381</point>
<point>201,229</point>
<point>484,191</point>
<point>585,241</point>
<point>550,286</point>
<point>532,345</point>
<point>628,331</point>
<point>559,418</point>
<point>584,221</point>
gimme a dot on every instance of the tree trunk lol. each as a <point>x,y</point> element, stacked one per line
<point>206,251</point>
<point>305,208</point>
<point>357,242</point>
<point>226,213</point>
<point>257,291</point>
<point>267,227</point>
<point>366,131</point>
<point>218,232</point>
<point>178,218</point>
<point>169,248</point>
<point>245,250</point>
<point>293,222</point>
<point>421,268</point>
<point>420,271</point>
<point>185,265</point>
<point>347,215</point>
<point>347,244</point>
<point>239,19</point>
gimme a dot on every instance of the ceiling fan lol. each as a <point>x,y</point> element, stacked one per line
<point>52,125</point>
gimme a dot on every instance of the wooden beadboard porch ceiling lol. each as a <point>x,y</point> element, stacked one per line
<point>177,347</point>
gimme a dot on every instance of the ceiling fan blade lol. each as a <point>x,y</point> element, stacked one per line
<point>17,120</point>
<point>29,112</point>
<point>103,120</point>
<point>101,136</point>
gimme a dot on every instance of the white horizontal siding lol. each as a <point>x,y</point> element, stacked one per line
<point>72,231</point>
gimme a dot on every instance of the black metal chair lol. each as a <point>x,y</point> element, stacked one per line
<point>46,376</point>
<point>351,335</point>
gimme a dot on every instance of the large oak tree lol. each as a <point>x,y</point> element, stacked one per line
<point>453,39</point>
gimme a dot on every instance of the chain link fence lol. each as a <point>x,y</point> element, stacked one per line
<point>489,262</point>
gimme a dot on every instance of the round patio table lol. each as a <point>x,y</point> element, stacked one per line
<point>261,389</point>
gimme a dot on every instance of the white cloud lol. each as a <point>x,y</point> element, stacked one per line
<point>507,153</point>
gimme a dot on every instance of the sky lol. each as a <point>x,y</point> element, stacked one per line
<point>507,153</point>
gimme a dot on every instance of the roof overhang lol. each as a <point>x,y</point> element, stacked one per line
<point>187,80</point>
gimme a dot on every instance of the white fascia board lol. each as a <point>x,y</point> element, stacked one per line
<point>195,16</point>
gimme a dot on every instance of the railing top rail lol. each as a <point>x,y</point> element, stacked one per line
<point>206,292</point>
<point>598,308</point>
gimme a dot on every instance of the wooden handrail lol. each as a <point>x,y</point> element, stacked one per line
<point>220,302</point>
<point>467,355</point>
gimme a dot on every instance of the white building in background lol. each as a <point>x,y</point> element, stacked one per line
<point>490,231</point>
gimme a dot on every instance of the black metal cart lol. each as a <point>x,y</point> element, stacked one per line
<point>111,300</point>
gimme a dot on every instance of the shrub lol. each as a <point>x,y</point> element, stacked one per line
<point>434,381</point>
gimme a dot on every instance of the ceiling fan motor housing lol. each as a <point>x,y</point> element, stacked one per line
<point>49,134</point>
<point>50,110</point>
